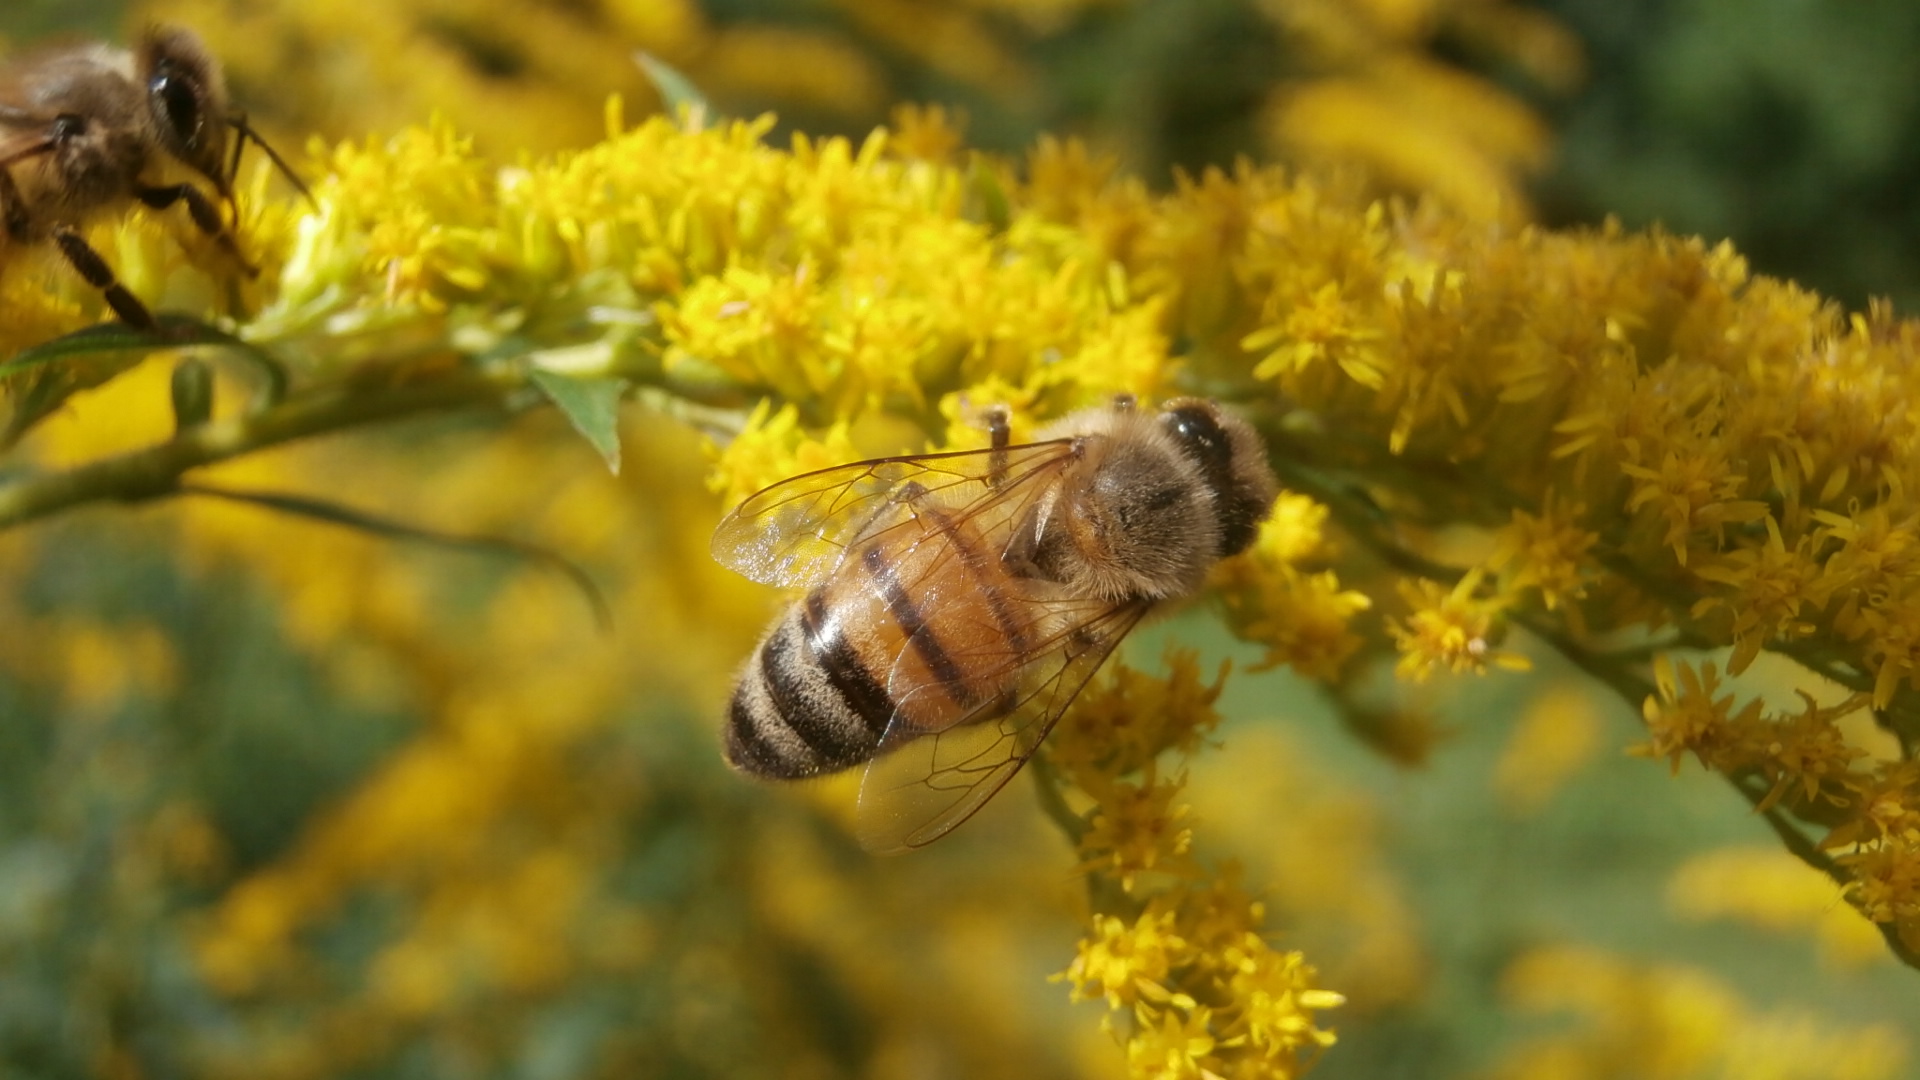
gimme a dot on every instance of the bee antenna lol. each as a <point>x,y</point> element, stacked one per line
<point>238,121</point>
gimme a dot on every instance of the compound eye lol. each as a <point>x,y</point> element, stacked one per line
<point>177,101</point>
<point>68,127</point>
<point>1201,436</point>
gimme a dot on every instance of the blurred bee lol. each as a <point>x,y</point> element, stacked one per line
<point>89,129</point>
<point>957,602</point>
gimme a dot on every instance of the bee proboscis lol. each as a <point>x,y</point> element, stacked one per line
<point>956,603</point>
<point>88,129</point>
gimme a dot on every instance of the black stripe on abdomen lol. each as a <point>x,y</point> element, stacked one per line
<point>920,637</point>
<point>804,695</point>
<point>748,748</point>
<point>856,685</point>
<point>970,557</point>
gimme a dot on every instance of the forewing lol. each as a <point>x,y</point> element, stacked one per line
<point>796,532</point>
<point>26,116</point>
<point>922,785</point>
<point>19,141</point>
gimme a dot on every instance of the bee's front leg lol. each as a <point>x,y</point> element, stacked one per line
<point>13,209</point>
<point>90,266</point>
<point>204,213</point>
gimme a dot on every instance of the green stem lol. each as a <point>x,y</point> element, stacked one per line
<point>1047,781</point>
<point>156,470</point>
<point>1809,852</point>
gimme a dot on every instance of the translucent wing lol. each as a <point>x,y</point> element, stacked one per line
<point>18,141</point>
<point>921,785</point>
<point>25,131</point>
<point>796,532</point>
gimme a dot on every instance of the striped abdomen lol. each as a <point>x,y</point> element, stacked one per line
<point>923,620</point>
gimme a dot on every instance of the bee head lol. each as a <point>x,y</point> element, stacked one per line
<point>1234,462</point>
<point>187,101</point>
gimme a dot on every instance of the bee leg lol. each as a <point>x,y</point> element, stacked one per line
<point>15,208</point>
<point>204,213</point>
<point>911,493</point>
<point>1021,557</point>
<point>89,265</point>
<point>1000,431</point>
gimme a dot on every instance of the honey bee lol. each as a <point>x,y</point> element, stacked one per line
<point>956,603</point>
<point>89,129</point>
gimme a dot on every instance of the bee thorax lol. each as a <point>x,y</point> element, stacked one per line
<point>1144,527</point>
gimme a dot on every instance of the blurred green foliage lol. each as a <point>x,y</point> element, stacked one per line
<point>1792,129</point>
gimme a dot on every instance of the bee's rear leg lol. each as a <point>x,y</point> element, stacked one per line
<point>89,265</point>
<point>911,495</point>
<point>204,213</point>
<point>1021,557</point>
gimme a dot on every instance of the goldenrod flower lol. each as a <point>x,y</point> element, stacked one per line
<point>1806,750</point>
<point>1274,998</point>
<point>1687,717</point>
<point>1450,627</point>
<point>1173,1045</point>
<point>771,447</point>
<point>1886,883</point>
<point>1136,828</point>
<point>1129,962</point>
<point>1889,806</point>
<point>1126,719</point>
<point>1549,552</point>
<point>1319,328</point>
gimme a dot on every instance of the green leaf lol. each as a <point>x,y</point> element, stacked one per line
<point>46,375</point>
<point>592,405</point>
<point>983,185</point>
<point>176,331</point>
<point>683,99</point>
<point>105,338</point>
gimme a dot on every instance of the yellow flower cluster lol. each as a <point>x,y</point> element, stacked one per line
<point>1676,448</point>
<point>1805,759</point>
<point>1302,617</point>
<point>1199,991</point>
<point>1174,949</point>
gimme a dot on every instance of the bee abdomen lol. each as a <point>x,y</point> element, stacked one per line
<point>807,705</point>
